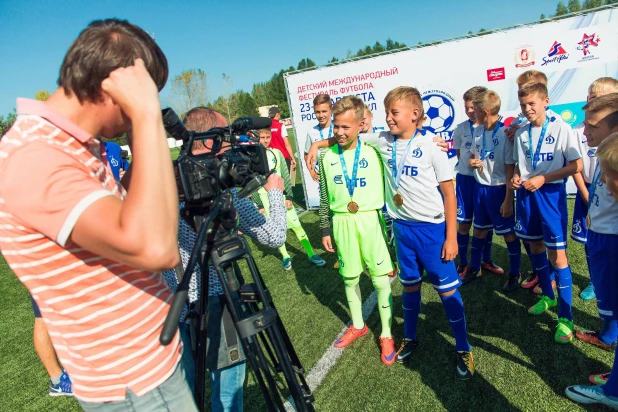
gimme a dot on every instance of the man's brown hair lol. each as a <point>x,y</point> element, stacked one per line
<point>201,119</point>
<point>322,98</point>
<point>531,76</point>
<point>606,103</point>
<point>102,47</point>
<point>532,88</point>
<point>408,94</point>
<point>472,92</point>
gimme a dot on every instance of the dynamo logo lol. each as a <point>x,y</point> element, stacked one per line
<point>363,163</point>
<point>417,153</point>
<point>550,139</point>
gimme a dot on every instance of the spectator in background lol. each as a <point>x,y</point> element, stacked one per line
<point>280,139</point>
<point>117,162</point>
<point>367,121</point>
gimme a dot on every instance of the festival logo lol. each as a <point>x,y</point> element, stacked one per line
<point>556,54</point>
<point>496,74</point>
<point>524,56</point>
<point>585,46</point>
<point>439,109</point>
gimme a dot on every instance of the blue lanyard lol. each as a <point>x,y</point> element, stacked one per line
<point>350,183</point>
<point>493,134</point>
<point>593,186</point>
<point>330,131</point>
<point>471,129</point>
<point>397,171</point>
<point>535,158</point>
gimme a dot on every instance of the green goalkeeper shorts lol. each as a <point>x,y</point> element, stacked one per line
<point>291,215</point>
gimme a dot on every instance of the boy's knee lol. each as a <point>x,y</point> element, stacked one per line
<point>558,258</point>
<point>411,289</point>
<point>480,234</point>
<point>537,246</point>
<point>464,228</point>
<point>446,294</point>
<point>351,281</point>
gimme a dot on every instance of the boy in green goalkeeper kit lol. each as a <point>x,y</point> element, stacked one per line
<point>352,191</point>
<point>277,163</point>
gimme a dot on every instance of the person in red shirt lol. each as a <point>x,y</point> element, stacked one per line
<point>280,139</point>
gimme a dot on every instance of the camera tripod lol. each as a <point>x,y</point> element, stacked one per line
<point>263,337</point>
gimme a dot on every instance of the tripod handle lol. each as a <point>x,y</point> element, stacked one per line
<point>173,317</point>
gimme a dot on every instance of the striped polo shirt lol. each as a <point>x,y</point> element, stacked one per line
<point>104,317</point>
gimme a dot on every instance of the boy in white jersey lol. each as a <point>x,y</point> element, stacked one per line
<point>493,165</point>
<point>464,187</point>
<point>277,161</point>
<point>601,129</point>
<point>579,231</point>
<point>420,197</point>
<point>542,148</point>
<point>322,106</point>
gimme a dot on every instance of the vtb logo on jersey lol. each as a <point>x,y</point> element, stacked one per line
<point>390,162</point>
<point>550,139</point>
<point>338,179</point>
<point>528,156</point>
<point>417,153</point>
<point>363,163</point>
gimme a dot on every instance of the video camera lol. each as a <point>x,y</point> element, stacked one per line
<point>202,177</point>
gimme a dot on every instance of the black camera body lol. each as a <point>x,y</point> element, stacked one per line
<point>202,177</point>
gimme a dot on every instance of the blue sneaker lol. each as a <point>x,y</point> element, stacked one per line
<point>63,388</point>
<point>286,264</point>
<point>590,394</point>
<point>318,261</point>
<point>588,293</point>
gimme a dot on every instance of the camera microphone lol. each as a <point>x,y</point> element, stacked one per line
<point>247,123</point>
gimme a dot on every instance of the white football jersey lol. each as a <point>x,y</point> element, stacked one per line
<point>497,154</point>
<point>314,135</point>
<point>557,149</point>
<point>424,168</point>
<point>603,209</point>
<point>589,158</point>
<point>462,141</point>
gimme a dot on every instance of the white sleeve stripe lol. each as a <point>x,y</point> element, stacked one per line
<point>77,211</point>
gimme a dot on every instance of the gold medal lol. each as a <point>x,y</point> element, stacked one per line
<point>588,222</point>
<point>481,169</point>
<point>398,199</point>
<point>353,206</point>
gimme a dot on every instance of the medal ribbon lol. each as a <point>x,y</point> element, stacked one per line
<point>330,131</point>
<point>350,183</point>
<point>535,158</point>
<point>493,134</point>
<point>397,171</point>
<point>593,186</point>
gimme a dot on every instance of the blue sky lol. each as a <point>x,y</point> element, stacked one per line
<point>249,41</point>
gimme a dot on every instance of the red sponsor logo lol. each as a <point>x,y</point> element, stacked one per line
<point>496,74</point>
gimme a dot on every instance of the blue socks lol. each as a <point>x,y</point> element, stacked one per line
<point>453,306</point>
<point>487,246</point>
<point>565,292</point>
<point>475,253</point>
<point>514,248</point>
<point>462,243</point>
<point>411,303</point>
<point>540,265</point>
<point>609,333</point>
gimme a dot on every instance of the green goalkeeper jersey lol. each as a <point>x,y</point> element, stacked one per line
<point>334,195</point>
<point>277,163</point>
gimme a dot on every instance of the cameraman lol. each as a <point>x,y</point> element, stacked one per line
<point>227,371</point>
<point>89,252</point>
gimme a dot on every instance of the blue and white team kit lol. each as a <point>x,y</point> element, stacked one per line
<point>464,181</point>
<point>543,214</point>
<point>579,228</point>
<point>415,168</point>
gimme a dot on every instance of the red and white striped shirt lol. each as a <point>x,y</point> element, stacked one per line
<point>104,317</point>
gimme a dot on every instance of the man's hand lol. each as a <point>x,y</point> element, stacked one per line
<point>533,184</point>
<point>289,204</point>
<point>274,182</point>
<point>516,182</point>
<point>441,143</point>
<point>506,210</point>
<point>449,250</point>
<point>328,244</point>
<point>510,131</point>
<point>262,211</point>
<point>133,90</point>
<point>475,163</point>
<point>292,163</point>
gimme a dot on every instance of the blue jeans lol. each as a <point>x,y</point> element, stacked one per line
<point>172,395</point>
<point>227,383</point>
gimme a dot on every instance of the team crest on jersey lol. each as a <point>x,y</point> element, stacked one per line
<point>417,153</point>
<point>113,161</point>
<point>363,163</point>
<point>550,139</point>
<point>341,263</point>
<point>338,179</point>
<point>528,154</point>
<point>577,227</point>
<point>459,211</point>
<point>468,145</point>
<point>592,152</point>
<point>518,225</point>
<point>390,162</point>
<point>496,142</point>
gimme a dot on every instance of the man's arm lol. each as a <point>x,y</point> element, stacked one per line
<point>142,230</point>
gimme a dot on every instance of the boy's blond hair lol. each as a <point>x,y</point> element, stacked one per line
<point>472,92</point>
<point>531,76</point>
<point>533,88</point>
<point>408,94</point>
<point>604,85</point>
<point>349,103</point>
<point>368,110</point>
<point>489,101</point>
<point>607,152</point>
<point>605,103</point>
<point>322,98</point>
